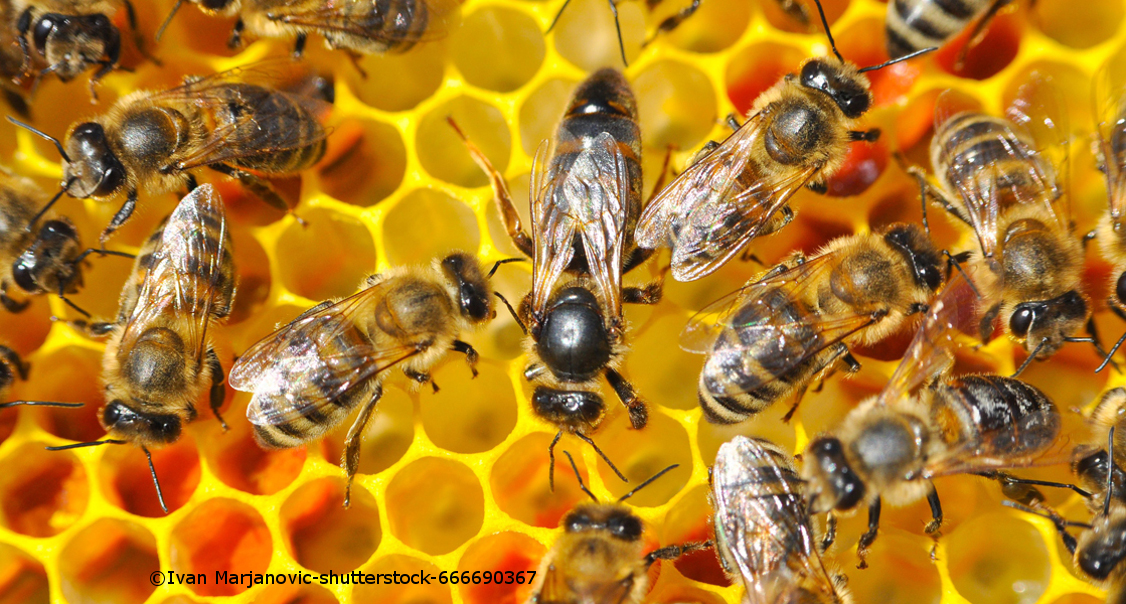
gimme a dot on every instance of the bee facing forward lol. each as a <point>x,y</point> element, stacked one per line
<point>159,359</point>
<point>1006,178</point>
<point>797,134</point>
<point>925,425</point>
<point>770,339</point>
<point>764,534</point>
<point>599,557</point>
<point>359,26</point>
<point>308,376</point>
<point>153,140</point>
<point>584,204</point>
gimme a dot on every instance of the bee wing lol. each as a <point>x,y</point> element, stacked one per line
<point>1109,101</point>
<point>185,272</point>
<point>301,367</point>
<point>970,460</point>
<point>1040,111</point>
<point>588,199</point>
<point>369,18</point>
<point>954,311</point>
<point>287,129</point>
<point>699,218</point>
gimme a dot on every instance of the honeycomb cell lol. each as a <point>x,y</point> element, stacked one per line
<point>468,415</point>
<point>425,225</point>
<point>435,505</point>
<point>304,255</point>
<point>752,70</point>
<point>662,372</point>
<point>982,564</point>
<point>434,593</point>
<point>220,536</point>
<point>680,593</point>
<point>321,534</point>
<point>585,35</point>
<point>1078,25</point>
<point>444,155</point>
<point>364,163</point>
<point>640,454</point>
<point>203,34</point>
<point>295,594</point>
<point>26,331</point>
<point>70,375</point>
<point>767,424</point>
<point>498,48</point>
<point>398,82</point>
<point>1078,599</point>
<point>385,440</point>
<point>781,20</point>
<point>689,520</point>
<point>126,481</point>
<point>238,461</point>
<point>677,105</point>
<point>108,562</point>
<point>42,493</point>
<point>23,580</point>
<point>502,552</point>
<point>714,26</point>
<point>915,578</point>
<point>996,50</point>
<point>519,482</point>
<point>254,278</point>
<point>863,165</point>
<point>8,419</point>
<point>540,115</point>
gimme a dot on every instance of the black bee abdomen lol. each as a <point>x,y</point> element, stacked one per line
<point>573,340</point>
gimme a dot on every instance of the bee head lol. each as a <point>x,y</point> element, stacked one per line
<point>474,296</point>
<point>1045,325</point>
<point>615,520</point>
<point>72,43</point>
<point>93,170</point>
<point>841,486</point>
<point>847,88</point>
<point>141,428</point>
<point>572,408</point>
<point>573,340</point>
<point>1102,550</point>
<point>48,265</point>
<point>926,261</point>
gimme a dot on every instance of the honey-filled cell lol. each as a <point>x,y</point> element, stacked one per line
<point>67,375</point>
<point>321,534</point>
<point>520,483</point>
<point>1078,25</point>
<point>364,163</point>
<point>254,277</point>
<point>326,259</point>
<point>499,553</point>
<point>498,48</point>
<point>42,493</point>
<point>220,536</point>
<point>427,224</point>
<point>662,372</point>
<point>435,505</point>
<point>714,27</point>
<point>398,82</point>
<point>240,463</point>
<point>753,70</point>
<point>800,16</point>
<point>126,480</point>
<point>23,580</point>
<point>110,561</point>
<point>689,520</point>
<point>909,576</point>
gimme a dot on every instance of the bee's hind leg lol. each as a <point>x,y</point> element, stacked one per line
<point>259,187</point>
<point>869,536</point>
<point>218,386</point>
<point>471,356</point>
<point>935,524</point>
<point>351,460</point>
<point>638,412</point>
<point>120,218</point>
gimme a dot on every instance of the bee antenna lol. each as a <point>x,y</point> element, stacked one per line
<point>1109,355</point>
<point>1109,472</point>
<point>825,22</point>
<point>1031,355</point>
<point>1060,523</point>
<point>587,440</point>
<point>500,262</point>
<point>47,206</point>
<point>155,482</point>
<point>899,60</point>
<point>41,404</point>
<point>512,312</point>
<point>956,261</point>
<point>93,443</point>
<point>168,19</point>
<point>32,130</point>
<point>648,481</point>
<point>578,477</point>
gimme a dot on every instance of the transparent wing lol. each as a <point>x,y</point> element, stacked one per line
<point>1039,110</point>
<point>369,18</point>
<point>312,361</point>
<point>182,283</point>
<point>1109,101</point>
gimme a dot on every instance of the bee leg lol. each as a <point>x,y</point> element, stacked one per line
<point>351,461</point>
<point>299,45</point>
<point>551,459</point>
<point>649,294</point>
<point>985,328</point>
<point>218,386</point>
<point>471,356</point>
<point>259,187</point>
<point>869,136</point>
<point>674,21</point>
<point>672,552</point>
<point>1092,330</point>
<point>107,66</point>
<point>122,215</point>
<point>11,305</point>
<point>935,524</point>
<point>869,536</point>
<point>93,329</point>
<point>830,532</point>
<point>638,412</point>
<point>704,151</point>
<point>420,377</point>
<point>733,122</point>
<point>503,198</point>
<point>235,40</point>
<point>138,39</point>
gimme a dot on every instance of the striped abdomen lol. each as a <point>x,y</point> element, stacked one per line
<point>273,116</point>
<point>917,24</point>
<point>996,415</point>
<point>386,25</point>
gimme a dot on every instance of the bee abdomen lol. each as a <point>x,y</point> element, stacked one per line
<point>272,111</point>
<point>917,24</point>
<point>982,150</point>
<point>1002,415</point>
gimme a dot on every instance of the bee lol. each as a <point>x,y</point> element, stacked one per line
<point>358,26</point>
<point>764,534</point>
<point>308,376</point>
<point>915,24</point>
<point>1110,147</point>
<point>1006,178</point>
<point>926,424</point>
<point>797,134</point>
<point>770,339</point>
<point>599,558</point>
<point>583,206</point>
<point>160,356</point>
<point>153,140</point>
<point>69,37</point>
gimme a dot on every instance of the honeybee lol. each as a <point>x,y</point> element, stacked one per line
<point>925,424</point>
<point>797,134</point>
<point>1110,111</point>
<point>1006,178</point>
<point>915,24</point>
<point>1091,464</point>
<point>598,559</point>
<point>764,534</point>
<point>358,26</point>
<point>153,140</point>
<point>159,357</point>
<point>68,37</point>
<point>308,376</point>
<point>584,204</point>
<point>770,339</point>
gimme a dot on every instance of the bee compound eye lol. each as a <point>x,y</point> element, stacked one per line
<point>1022,320</point>
<point>43,29</point>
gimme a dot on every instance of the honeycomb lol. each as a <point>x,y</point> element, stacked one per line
<point>457,480</point>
